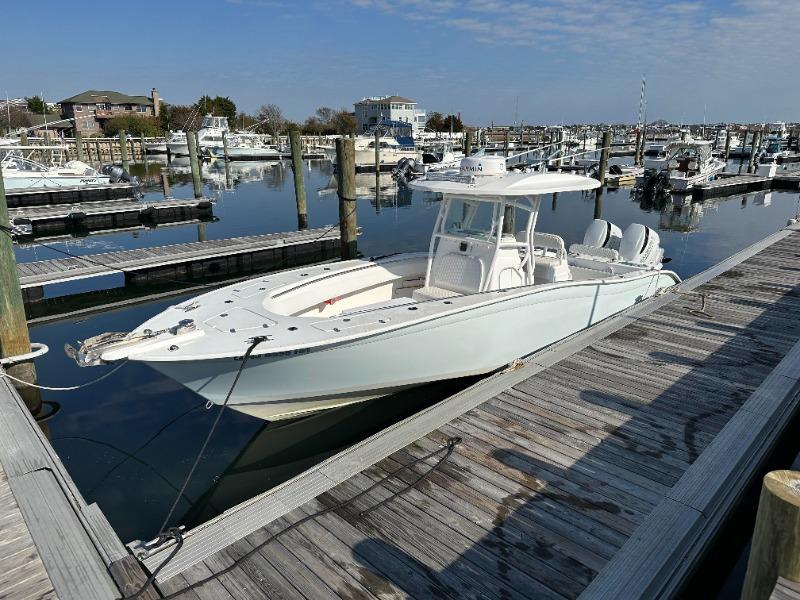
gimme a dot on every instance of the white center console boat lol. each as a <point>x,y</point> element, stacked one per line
<point>489,290</point>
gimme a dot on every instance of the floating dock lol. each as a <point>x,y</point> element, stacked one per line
<point>185,262</point>
<point>16,198</point>
<point>57,219</point>
<point>729,185</point>
<point>599,467</point>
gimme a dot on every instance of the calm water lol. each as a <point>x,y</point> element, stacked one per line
<point>129,440</point>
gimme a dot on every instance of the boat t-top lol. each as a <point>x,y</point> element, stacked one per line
<point>490,289</point>
<point>685,162</point>
<point>209,134</point>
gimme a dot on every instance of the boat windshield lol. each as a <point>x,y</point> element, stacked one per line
<point>470,218</point>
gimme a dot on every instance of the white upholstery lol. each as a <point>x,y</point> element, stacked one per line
<point>549,258</point>
<point>457,272</point>
<point>430,292</point>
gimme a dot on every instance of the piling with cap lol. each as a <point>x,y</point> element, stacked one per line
<point>191,142</point>
<point>775,551</point>
<point>346,176</point>
<point>299,182</point>
<point>604,152</point>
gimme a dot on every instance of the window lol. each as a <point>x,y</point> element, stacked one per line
<point>470,218</point>
<point>87,125</point>
<point>78,108</point>
<point>102,106</point>
<point>128,107</point>
<point>142,108</point>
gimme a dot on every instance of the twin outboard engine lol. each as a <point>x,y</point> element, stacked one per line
<point>406,169</point>
<point>602,234</point>
<point>117,174</point>
<point>641,245</point>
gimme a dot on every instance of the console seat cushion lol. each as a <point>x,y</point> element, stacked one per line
<point>430,292</point>
<point>594,252</point>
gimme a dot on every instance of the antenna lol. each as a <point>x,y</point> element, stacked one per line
<point>639,120</point>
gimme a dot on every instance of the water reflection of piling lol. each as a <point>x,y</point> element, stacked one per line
<point>598,203</point>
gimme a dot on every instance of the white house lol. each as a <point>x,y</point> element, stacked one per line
<point>373,110</point>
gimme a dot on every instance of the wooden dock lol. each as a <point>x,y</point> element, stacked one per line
<point>599,467</point>
<point>68,195</point>
<point>188,261</point>
<point>54,219</point>
<point>54,544</point>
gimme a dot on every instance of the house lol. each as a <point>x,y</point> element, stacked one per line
<point>373,110</point>
<point>92,108</point>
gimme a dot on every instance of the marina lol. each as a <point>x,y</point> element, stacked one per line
<point>364,301</point>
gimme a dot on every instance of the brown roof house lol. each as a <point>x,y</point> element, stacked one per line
<point>92,108</point>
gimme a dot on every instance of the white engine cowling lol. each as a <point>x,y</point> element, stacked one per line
<point>641,245</point>
<point>602,234</point>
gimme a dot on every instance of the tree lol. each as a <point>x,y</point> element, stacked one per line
<point>19,118</point>
<point>219,105</point>
<point>37,106</point>
<point>133,124</point>
<point>325,115</point>
<point>343,122</point>
<point>435,122</point>
<point>179,117</point>
<point>453,120</point>
<point>271,118</point>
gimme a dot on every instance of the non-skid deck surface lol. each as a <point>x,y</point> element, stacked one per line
<point>554,475</point>
<point>66,269</point>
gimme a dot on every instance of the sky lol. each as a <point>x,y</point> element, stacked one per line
<point>537,61</point>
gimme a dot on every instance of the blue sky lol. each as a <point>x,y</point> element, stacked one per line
<point>564,60</point>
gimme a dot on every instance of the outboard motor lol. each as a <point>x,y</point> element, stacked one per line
<point>602,234</point>
<point>642,246</point>
<point>117,174</point>
<point>405,169</point>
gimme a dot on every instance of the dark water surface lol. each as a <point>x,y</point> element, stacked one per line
<point>129,440</point>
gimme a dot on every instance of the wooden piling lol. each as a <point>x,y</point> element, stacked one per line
<point>505,145</point>
<point>123,149</point>
<point>377,151</point>
<point>753,165</point>
<point>606,147</point>
<point>225,146</point>
<point>299,182</point>
<point>165,183</point>
<point>776,538</point>
<point>468,143</point>
<point>727,144</point>
<point>79,146</point>
<point>191,142</point>
<point>23,138</point>
<point>637,153</point>
<point>744,149</point>
<point>346,175</point>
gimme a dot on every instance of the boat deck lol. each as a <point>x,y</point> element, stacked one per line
<point>600,467</point>
<point>210,256</point>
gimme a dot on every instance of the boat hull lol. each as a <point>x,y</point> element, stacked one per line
<point>245,153</point>
<point>53,181</point>
<point>474,341</point>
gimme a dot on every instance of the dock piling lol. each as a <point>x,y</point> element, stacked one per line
<point>727,144</point>
<point>744,149</point>
<point>604,152</point>
<point>346,174</point>
<point>505,145</point>
<point>752,166</point>
<point>299,182</point>
<point>23,138</point>
<point>225,146</point>
<point>79,146</point>
<point>776,538</point>
<point>191,142</point>
<point>637,153</point>
<point>468,143</point>
<point>377,151</point>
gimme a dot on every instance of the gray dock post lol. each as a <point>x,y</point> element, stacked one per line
<point>191,142</point>
<point>468,143</point>
<point>23,138</point>
<point>601,173</point>
<point>79,146</point>
<point>225,145</point>
<point>346,173</point>
<point>776,538</point>
<point>377,151</point>
<point>299,182</point>
<point>727,144</point>
<point>752,167</point>
<point>123,148</point>
<point>744,149</point>
<point>14,338</point>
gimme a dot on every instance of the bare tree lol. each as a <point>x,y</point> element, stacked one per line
<point>272,119</point>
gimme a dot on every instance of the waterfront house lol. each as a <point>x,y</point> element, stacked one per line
<point>92,108</point>
<point>373,110</point>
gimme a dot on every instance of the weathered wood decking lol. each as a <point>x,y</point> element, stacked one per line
<point>187,260</point>
<point>600,468</point>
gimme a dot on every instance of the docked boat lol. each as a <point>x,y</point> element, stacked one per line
<point>209,134</point>
<point>489,290</point>
<point>20,172</point>
<point>390,152</point>
<point>685,163</point>
<point>156,147</point>
<point>245,146</point>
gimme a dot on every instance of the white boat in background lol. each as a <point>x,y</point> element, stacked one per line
<point>488,291</point>
<point>685,163</point>
<point>209,134</point>
<point>391,151</point>
<point>245,146</point>
<point>156,147</point>
<point>23,173</point>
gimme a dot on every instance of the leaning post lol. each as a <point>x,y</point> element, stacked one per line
<point>299,182</point>
<point>346,174</point>
<point>191,142</point>
<point>775,550</point>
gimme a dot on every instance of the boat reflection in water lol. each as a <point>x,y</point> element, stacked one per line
<point>382,190</point>
<point>281,450</point>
